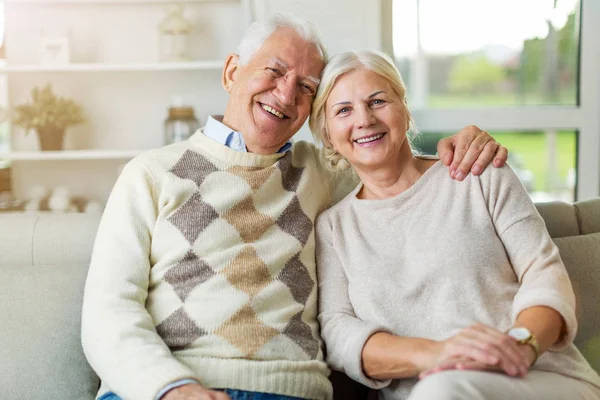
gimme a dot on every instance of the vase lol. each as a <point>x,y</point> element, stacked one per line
<point>51,138</point>
<point>174,32</point>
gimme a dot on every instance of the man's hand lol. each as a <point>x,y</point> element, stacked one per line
<point>470,150</point>
<point>193,391</point>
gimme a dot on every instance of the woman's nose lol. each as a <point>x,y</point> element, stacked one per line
<point>364,117</point>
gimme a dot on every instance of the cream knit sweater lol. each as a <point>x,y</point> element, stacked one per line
<point>203,267</point>
<point>435,259</point>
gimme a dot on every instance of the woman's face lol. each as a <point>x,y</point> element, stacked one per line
<point>366,121</point>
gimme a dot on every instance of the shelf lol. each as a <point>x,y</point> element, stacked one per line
<point>71,155</point>
<point>99,67</point>
<point>110,2</point>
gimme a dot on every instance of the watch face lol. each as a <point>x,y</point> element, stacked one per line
<point>519,333</point>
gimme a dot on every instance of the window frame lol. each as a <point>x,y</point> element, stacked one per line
<point>584,118</point>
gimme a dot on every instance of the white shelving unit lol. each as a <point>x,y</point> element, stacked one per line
<point>109,2</point>
<point>114,74</point>
<point>100,67</point>
<point>67,155</point>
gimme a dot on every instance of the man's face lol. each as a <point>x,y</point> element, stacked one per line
<point>271,96</point>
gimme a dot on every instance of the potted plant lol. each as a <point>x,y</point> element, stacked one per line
<point>49,116</point>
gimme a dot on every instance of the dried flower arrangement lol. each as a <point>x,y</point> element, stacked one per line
<point>49,116</point>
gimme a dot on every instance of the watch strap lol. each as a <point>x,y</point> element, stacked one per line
<point>532,341</point>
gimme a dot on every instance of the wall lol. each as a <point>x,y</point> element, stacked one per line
<point>126,109</point>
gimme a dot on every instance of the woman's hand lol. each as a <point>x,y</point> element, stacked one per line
<point>462,364</point>
<point>466,364</point>
<point>483,348</point>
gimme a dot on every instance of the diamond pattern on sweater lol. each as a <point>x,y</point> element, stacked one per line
<point>193,166</point>
<point>255,176</point>
<point>246,331</point>
<point>249,222</point>
<point>179,331</point>
<point>295,222</point>
<point>193,217</point>
<point>300,332</point>
<point>188,274</point>
<point>297,279</point>
<point>248,272</point>
<point>290,175</point>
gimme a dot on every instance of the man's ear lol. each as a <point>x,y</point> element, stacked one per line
<point>230,72</point>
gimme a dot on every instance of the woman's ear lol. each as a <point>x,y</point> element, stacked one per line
<point>230,72</point>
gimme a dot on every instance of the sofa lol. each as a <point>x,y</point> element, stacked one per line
<point>43,265</point>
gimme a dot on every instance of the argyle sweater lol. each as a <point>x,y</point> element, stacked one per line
<point>204,268</point>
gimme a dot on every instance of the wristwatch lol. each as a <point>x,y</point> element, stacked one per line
<point>524,336</point>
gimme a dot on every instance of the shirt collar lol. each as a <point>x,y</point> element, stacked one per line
<point>216,130</point>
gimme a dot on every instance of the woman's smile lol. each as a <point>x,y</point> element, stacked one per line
<point>370,140</point>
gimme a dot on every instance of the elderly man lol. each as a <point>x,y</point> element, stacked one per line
<point>202,283</point>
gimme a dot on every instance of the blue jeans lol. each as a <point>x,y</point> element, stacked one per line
<point>233,393</point>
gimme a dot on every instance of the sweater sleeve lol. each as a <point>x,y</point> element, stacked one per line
<point>344,334</point>
<point>118,334</point>
<point>535,258</point>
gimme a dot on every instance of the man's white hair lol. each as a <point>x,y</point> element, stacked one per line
<point>259,31</point>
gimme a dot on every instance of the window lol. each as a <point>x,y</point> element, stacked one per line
<point>546,173</point>
<point>4,115</point>
<point>524,71</point>
<point>505,52</point>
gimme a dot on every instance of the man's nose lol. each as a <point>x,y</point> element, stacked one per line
<point>286,91</point>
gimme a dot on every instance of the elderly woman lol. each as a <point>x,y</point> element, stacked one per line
<point>421,276</point>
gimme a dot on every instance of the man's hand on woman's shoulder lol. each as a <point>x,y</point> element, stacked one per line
<point>471,150</point>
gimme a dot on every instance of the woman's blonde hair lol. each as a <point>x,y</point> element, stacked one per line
<point>338,65</point>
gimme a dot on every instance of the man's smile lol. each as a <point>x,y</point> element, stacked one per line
<point>273,111</point>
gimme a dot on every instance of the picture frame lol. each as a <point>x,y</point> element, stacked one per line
<point>55,50</point>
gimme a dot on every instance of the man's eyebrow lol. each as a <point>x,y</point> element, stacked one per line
<point>279,62</point>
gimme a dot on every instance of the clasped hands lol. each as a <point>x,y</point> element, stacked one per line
<point>480,348</point>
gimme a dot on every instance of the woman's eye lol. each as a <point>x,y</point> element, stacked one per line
<point>377,102</point>
<point>343,110</point>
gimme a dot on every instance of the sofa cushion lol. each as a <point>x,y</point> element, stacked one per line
<point>16,238</point>
<point>560,218</point>
<point>66,238</point>
<point>40,353</point>
<point>589,215</point>
<point>581,255</point>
